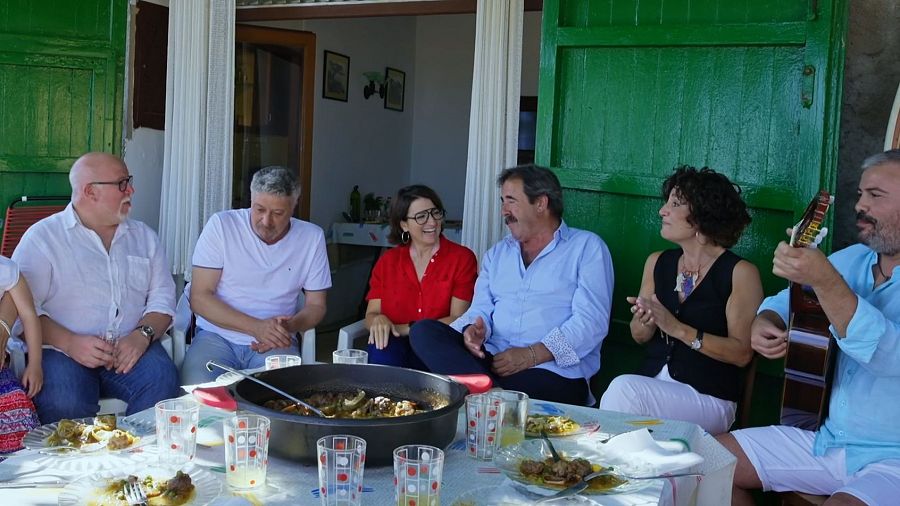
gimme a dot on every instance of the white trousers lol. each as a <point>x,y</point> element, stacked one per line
<point>783,459</point>
<point>665,397</point>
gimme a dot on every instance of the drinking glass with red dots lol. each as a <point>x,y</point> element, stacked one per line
<point>246,450</point>
<point>176,430</point>
<point>341,459</point>
<point>417,475</point>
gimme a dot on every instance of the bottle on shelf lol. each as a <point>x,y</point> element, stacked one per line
<point>355,204</point>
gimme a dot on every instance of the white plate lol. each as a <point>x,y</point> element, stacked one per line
<point>88,489</point>
<point>509,458</point>
<point>505,496</point>
<point>37,438</point>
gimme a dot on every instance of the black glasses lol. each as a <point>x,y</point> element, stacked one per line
<point>122,183</point>
<point>421,217</point>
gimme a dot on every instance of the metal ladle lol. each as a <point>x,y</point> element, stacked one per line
<point>211,364</point>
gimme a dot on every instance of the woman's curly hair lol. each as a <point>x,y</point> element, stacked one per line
<point>715,203</point>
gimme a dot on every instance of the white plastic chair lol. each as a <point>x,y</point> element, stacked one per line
<point>184,321</point>
<point>350,333</point>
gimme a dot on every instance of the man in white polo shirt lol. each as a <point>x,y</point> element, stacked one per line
<point>104,294</point>
<point>249,268</point>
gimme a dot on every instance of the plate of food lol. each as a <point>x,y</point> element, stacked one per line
<point>557,423</point>
<point>530,464</point>
<point>188,486</point>
<point>88,435</point>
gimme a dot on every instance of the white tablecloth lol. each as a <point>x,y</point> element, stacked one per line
<point>292,483</point>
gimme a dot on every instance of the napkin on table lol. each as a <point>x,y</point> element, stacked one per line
<point>658,457</point>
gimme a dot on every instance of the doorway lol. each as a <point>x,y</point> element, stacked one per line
<point>273,107</point>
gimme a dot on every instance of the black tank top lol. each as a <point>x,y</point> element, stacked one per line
<point>704,309</point>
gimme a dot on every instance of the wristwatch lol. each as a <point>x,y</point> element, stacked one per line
<point>697,343</point>
<point>148,332</point>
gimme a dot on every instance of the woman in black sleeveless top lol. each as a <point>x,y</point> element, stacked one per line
<point>694,310</point>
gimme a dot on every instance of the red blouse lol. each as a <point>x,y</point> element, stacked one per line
<point>451,273</point>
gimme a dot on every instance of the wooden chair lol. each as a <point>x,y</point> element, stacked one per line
<point>20,215</point>
<point>742,417</point>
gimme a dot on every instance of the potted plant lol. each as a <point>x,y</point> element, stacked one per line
<point>372,207</point>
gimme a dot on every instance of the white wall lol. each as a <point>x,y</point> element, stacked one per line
<point>359,142</point>
<point>445,56</point>
<point>144,158</point>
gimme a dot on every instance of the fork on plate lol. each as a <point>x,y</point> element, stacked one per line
<point>134,493</point>
<point>583,484</point>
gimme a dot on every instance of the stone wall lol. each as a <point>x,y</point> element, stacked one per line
<point>871,77</point>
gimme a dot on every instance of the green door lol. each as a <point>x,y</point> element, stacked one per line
<point>61,73</point>
<point>629,89</point>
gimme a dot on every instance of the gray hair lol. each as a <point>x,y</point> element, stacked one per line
<point>537,181</point>
<point>891,156</point>
<point>275,180</point>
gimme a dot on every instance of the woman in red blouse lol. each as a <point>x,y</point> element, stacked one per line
<point>425,277</point>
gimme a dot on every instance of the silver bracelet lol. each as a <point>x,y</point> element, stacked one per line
<point>5,327</point>
<point>533,356</point>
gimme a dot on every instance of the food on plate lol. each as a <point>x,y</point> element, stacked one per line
<point>175,491</point>
<point>104,429</point>
<point>551,424</point>
<point>348,405</point>
<point>565,473</point>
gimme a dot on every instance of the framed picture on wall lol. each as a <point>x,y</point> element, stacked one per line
<point>335,76</point>
<point>394,88</point>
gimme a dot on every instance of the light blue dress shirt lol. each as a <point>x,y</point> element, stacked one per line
<point>561,300</point>
<point>864,410</point>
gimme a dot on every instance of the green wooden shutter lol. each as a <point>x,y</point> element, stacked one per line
<point>629,89</point>
<point>61,73</point>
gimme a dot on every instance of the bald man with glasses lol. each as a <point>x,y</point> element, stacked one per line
<point>104,294</point>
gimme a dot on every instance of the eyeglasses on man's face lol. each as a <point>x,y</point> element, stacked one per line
<point>421,217</point>
<point>123,183</point>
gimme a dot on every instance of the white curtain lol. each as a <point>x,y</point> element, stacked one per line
<point>494,118</point>
<point>199,123</point>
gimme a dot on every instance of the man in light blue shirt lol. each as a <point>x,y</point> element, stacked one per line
<point>855,455</point>
<point>541,305</point>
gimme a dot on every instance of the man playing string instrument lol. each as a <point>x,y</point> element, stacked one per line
<point>855,456</point>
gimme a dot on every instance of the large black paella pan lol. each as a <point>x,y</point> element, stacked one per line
<point>294,436</point>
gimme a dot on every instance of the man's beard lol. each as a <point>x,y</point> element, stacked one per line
<point>882,238</point>
<point>123,215</point>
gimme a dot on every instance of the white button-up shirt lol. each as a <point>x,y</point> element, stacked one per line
<point>88,290</point>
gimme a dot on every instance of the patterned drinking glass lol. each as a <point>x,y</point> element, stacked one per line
<point>341,460</point>
<point>417,475</point>
<point>176,430</point>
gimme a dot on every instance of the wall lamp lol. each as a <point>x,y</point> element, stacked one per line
<point>374,84</point>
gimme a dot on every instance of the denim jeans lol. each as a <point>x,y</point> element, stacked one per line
<point>72,390</point>
<point>442,350</point>
<point>397,353</point>
<point>208,346</point>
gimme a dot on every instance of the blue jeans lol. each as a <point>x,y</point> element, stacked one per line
<point>442,350</point>
<point>72,390</point>
<point>208,346</point>
<point>397,353</point>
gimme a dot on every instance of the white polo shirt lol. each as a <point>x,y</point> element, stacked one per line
<point>88,290</point>
<point>259,279</point>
